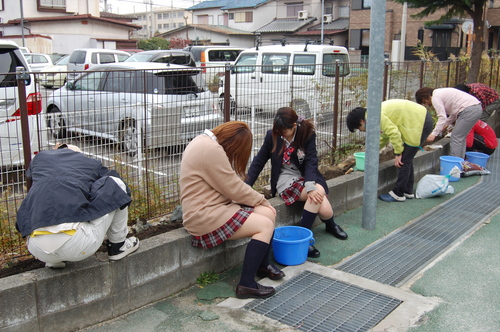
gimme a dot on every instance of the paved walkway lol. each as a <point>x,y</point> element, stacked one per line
<point>459,291</point>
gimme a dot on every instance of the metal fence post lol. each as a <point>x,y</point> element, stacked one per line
<point>227,93</point>
<point>336,105</point>
<point>21,77</point>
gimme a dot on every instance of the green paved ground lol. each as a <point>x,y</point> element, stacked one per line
<point>467,280</point>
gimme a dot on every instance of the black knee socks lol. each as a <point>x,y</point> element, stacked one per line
<point>254,255</point>
<point>330,223</point>
<point>307,219</point>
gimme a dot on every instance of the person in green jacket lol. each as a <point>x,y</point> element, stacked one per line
<point>406,125</point>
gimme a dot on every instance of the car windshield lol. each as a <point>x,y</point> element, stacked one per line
<point>140,57</point>
<point>63,61</point>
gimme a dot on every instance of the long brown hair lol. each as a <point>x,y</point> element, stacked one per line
<point>285,118</point>
<point>236,139</point>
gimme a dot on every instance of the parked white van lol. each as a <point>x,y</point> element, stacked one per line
<point>85,58</point>
<point>11,143</point>
<point>301,76</point>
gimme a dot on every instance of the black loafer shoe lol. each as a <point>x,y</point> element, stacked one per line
<point>243,292</point>
<point>337,232</point>
<point>313,252</point>
<point>272,272</point>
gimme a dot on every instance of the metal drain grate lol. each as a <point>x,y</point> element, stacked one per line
<point>399,256</point>
<point>312,302</point>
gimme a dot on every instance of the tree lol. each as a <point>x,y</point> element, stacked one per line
<point>153,43</point>
<point>458,8</point>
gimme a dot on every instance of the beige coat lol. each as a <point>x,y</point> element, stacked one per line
<point>211,191</point>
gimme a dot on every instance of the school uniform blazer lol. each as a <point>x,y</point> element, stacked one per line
<point>307,165</point>
<point>68,187</point>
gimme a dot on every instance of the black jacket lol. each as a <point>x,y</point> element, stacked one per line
<point>68,187</point>
<point>308,166</point>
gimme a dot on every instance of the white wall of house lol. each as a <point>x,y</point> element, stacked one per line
<point>30,9</point>
<point>212,16</point>
<point>261,16</point>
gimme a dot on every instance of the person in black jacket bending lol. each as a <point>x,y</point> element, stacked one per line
<point>73,203</point>
<point>291,146</point>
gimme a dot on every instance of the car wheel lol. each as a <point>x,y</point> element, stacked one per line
<point>128,137</point>
<point>302,108</point>
<point>232,105</point>
<point>56,123</point>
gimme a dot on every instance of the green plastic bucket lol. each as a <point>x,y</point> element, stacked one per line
<point>360,161</point>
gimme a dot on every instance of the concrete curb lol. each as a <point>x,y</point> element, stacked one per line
<point>89,292</point>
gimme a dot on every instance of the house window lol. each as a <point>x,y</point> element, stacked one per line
<point>231,16</point>
<point>166,15</point>
<point>1,5</point>
<point>159,26</point>
<point>165,26</point>
<point>180,14</point>
<point>293,9</point>
<point>181,25</point>
<point>361,4</point>
<point>53,4</point>
<point>243,17</point>
<point>159,16</point>
<point>202,19</point>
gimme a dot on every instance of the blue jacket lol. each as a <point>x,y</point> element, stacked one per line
<point>308,166</point>
<point>68,187</point>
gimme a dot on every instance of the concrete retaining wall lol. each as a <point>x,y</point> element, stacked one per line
<point>88,292</point>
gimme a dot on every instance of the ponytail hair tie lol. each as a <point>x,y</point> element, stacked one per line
<point>300,119</point>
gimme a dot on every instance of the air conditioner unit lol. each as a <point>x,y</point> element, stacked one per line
<point>328,18</point>
<point>303,15</point>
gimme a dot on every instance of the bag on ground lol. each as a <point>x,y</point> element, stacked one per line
<point>432,185</point>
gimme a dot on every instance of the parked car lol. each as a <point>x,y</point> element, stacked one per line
<point>11,144</point>
<point>38,61</point>
<point>55,75</point>
<point>177,57</point>
<point>213,55</point>
<point>168,104</point>
<point>303,76</point>
<point>85,58</point>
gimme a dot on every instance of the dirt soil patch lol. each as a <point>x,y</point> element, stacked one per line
<point>151,229</point>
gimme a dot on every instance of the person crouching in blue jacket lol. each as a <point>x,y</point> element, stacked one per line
<point>73,203</point>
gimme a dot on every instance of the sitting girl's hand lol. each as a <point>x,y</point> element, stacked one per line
<point>315,197</point>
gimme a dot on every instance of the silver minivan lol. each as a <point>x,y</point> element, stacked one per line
<point>135,104</point>
<point>85,58</point>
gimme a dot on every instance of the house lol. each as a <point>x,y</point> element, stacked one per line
<point>60,26</point>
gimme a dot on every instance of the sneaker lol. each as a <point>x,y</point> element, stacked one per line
<point>409,196</point>
<point>392,197</point>
<point>117,251</point>
<point>58,265</point>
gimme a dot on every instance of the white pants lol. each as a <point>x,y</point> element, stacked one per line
<point>61,247</point>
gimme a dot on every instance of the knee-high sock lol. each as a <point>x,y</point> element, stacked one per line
<point>330,223</point>
<point>265,259</point>
<point>307,219</point>
<point>255,252</point>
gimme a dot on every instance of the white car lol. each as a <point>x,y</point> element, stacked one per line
<point>55,75</point>
<point>11,143</point>
<point>168,104</point>
<point>38,61</point>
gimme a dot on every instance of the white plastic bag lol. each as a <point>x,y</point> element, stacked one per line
<point>432,185</point>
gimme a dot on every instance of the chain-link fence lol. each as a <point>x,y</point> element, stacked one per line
<point>138,121</point>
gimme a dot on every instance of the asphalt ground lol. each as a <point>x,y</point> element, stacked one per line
<point>459,291</point>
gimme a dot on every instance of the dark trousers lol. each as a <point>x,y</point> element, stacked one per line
<point>406,177</point>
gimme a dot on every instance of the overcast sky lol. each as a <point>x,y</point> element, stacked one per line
<point>135,6</point>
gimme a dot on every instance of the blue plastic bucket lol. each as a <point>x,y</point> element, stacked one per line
<point>360,161</point>
<point>447,163</point>
<point>291,244</point>
<point>477,158</point>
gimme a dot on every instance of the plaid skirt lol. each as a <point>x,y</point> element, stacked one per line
<point>291,194</point>
<point>224,232</point>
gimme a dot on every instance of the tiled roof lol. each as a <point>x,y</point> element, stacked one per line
<point>228,4</point>
<point>72,18</point>
<point>285,25</point>
<point>213,28</point>
<point>339,24</point>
